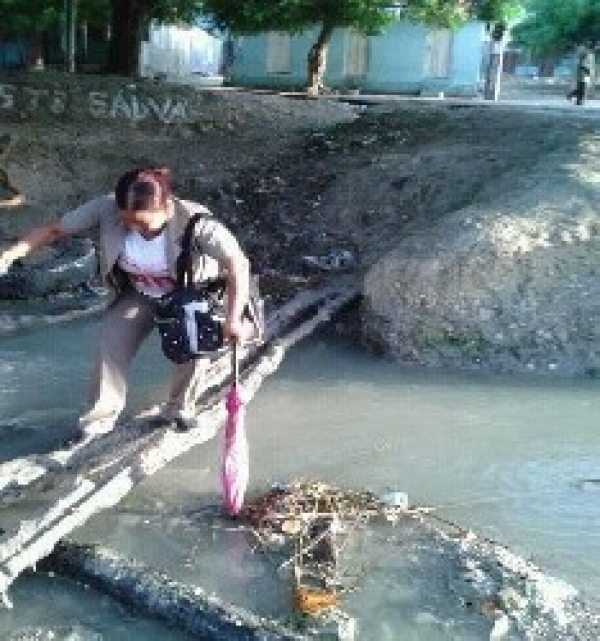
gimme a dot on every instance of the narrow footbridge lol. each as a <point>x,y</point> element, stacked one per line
<point>44,497</point>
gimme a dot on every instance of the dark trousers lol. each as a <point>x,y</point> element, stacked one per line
<point>579,93</point>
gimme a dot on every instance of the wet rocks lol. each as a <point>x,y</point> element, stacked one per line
<point>188,607</point>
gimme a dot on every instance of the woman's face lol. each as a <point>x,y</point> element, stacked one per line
<point>147,222</point>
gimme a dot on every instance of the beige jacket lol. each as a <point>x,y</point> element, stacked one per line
<point>212,242</point>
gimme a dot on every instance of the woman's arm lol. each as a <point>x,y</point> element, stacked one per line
<point>33,239</point>
<point>238,279</point>
<point>216,241</point>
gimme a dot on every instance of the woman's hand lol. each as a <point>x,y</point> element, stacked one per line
<point>5,264</point>
<point>233,331</point>
<point>35,238</point>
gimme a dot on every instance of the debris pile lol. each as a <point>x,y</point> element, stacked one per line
<point>315,530</point>
<point>311,524</point>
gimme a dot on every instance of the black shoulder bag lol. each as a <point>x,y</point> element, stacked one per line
<point>190,319</point>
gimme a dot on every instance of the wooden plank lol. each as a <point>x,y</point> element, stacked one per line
<point>22,472</point>
<point>62,492</point>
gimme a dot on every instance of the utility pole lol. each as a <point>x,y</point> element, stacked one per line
<point>493,73</point>
<point>70,8</point>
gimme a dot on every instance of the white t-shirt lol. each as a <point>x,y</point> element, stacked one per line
<point>145,262</point>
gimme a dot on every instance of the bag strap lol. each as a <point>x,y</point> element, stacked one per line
<point>184,265</point>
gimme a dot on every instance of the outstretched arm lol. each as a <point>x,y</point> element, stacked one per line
<point>33,239</point>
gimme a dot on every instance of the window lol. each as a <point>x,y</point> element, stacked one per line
<point>278,52</point>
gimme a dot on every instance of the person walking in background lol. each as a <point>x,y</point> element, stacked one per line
<point>583,75</point>
<point>140,227</point>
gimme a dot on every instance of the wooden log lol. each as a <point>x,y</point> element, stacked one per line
<point>187,607</point>
<point>62,492</point>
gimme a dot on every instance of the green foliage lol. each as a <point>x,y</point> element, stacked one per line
<point>20,17</point>
<point>438,13</point>
<point>174,11</point>
<point>555,26</point>
<point>369,16</point>
<point>254,16</point>
<point>162,11</point>
<point>25,17</point>
<point>93,12</point>
<point>497,11</point>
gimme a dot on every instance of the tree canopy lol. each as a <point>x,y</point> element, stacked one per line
<point>495,11</point>
<point>555,26</point>
<point>129,18</point>
<point>23,18</point>
<point>27,17</point>
<point>368,16</point>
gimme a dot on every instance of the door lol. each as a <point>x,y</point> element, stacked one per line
<point>355,56</point>
<point>278,52</point>
<point>437,53</point>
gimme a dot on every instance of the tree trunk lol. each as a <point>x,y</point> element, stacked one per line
<point>127,21</point>
<point>494,71</point>
<point>71,33</point>
<point>36,52</point>
<point>317,61</point>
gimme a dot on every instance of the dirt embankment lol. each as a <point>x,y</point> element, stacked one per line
<point>436,203</point>
<point>64,139</point>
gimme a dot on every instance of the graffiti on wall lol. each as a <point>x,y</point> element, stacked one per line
<point>32,99</point>
<point>121,104</point>
<point>135,107</point>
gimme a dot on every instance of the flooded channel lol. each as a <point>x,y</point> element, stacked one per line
<point>515,459</point>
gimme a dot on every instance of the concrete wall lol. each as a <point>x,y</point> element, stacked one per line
<point>395,63</point>
<point>396,59</point>
<point>47,96</point>
<point>250,63</point>
<point>180,52</point>
<point>468,49</point>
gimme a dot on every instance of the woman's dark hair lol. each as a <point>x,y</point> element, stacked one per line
<point>145,188</point>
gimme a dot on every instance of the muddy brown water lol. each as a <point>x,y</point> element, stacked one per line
<point>515,459</point>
